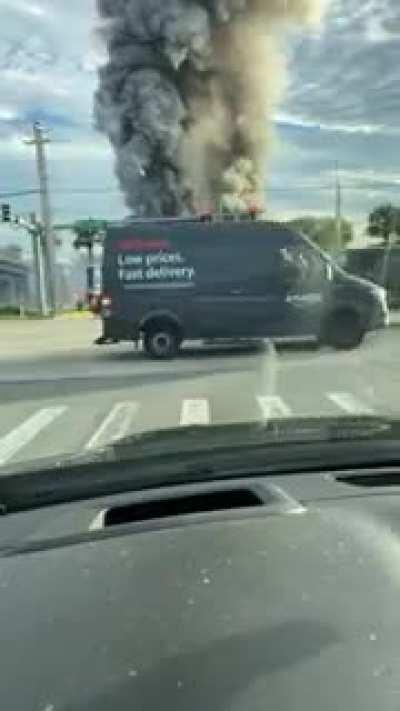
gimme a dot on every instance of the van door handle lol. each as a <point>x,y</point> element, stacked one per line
<point>311,298</point>
<point>236,292</point>
<point>293,299</point>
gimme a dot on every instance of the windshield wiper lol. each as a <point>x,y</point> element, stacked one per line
<point>177,457</point>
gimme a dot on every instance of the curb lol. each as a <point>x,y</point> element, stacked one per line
<point>394,319</point>
<point>78,316</point>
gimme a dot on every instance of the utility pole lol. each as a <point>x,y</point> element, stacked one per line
<point>39,140</point>
<point>338,209</point>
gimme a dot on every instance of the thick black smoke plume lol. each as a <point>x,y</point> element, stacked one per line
<point>187,96</point>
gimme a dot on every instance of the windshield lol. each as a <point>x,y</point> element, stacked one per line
<point>180,182</point>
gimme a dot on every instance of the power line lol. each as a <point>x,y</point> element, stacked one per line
<point>86,191</point>
<point>374,187</point>
<point>286,189</point>
<point>19,193</point>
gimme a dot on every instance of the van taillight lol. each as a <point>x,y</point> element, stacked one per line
<point>106,301</point>
<point>94,303</point>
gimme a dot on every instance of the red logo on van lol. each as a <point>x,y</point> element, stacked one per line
<point>134,244</point>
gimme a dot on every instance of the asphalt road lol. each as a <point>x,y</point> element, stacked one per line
<point>61,394</point>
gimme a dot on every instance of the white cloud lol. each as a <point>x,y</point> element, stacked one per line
<point>349,76</point>
<point>366,129</point>
<point>7,113</point>
<point>24,7</point>
<point>369,177</point>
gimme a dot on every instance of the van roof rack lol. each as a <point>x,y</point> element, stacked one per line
<point>144,220</point>
<point>196,219</point>
<point>251,215</point>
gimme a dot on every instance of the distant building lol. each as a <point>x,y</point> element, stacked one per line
<point>14,279</point>
<point>18,285</point>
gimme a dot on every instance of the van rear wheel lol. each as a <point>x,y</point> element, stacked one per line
<point>161,341</point>
<point>344,331</point>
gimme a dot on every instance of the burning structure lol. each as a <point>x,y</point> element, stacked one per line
<point>187,97</point>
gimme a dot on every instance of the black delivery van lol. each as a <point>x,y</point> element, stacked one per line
<point>170,280</point>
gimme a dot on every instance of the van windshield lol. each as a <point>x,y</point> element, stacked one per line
<point>325,256</point>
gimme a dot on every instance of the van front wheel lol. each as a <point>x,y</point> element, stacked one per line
<point>161,342</point>
<point>344,331</point>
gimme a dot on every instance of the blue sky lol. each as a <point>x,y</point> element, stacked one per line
<point>342,103</point>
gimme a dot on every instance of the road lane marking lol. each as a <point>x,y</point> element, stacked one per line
<point>195,412</point>
<point>22,435</point>
<point>273,406</point>
<point>350,404</point>
<point>98,521</point>
<point>116,425</point>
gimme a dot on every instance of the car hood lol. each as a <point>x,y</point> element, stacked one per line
<point>267,612</point>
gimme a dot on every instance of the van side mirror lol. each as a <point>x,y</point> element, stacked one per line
<point>289,274</point>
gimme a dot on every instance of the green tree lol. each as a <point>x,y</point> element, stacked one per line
<point>322,230</point>
<point>384,221</point>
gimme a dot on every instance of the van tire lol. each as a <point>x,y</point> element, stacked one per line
<point>161,340</point>
<point>343,330</point>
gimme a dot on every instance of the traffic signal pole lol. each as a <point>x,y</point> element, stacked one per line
<point>35,232</point>
<point>40,285</point>
<point>338,209</point>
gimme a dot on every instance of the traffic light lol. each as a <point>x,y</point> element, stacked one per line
<point>6,212</point>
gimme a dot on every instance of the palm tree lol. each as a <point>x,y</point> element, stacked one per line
<point>384,222</point>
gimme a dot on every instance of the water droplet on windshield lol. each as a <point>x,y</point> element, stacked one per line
<point>379,671</point>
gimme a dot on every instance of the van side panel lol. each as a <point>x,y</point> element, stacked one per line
<point>147,271</point>
<point>216,280</point>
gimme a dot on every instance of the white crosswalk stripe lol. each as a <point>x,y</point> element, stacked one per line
<point>273,406</point>
<point>116,425</point>
<point>22,435</point>
<point>350,404</point>
<point>195,412</point>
